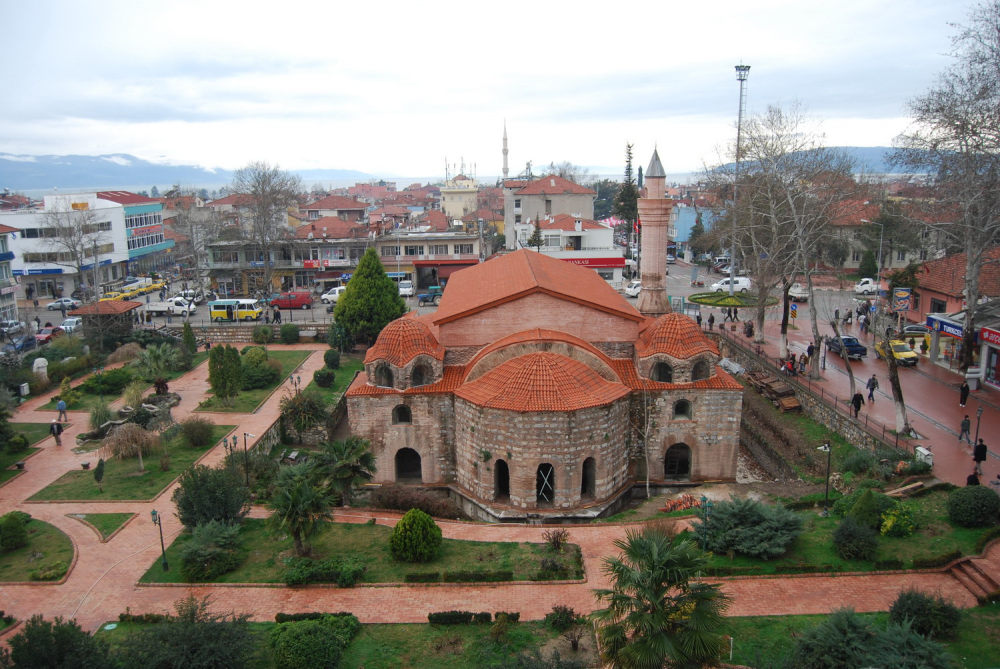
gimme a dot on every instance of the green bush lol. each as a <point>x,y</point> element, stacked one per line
<point>450,618</point>
<point>17,444</point>
<point>308,644</point>
<point>141,417</point>
<point>324,378</point>
<point>900,521</point>
<point>344,571</point>
<point>262,334</point>
<point>929,615</point>
<point>477,576</point>
<point>99,415</point>
<point>512,616</point>
<point>332,358</point>
<point>416,538</point>
<point>289,333</point>
<point>561,618</point>
<point>974,506</point>
<point>423,577</point>
<point>854,541</point>
<point>214,549</point>
<point>254,356</point>
<point>858,462</point>
<point>110,382</point>
<point>889,564</point>
<point>13,532</point>
<point>866,510</point>
<point>52,571</point>
<point>197,432</point>
<point>311,615</point>
<point>986,537</point>
<point>843,505</point>
<point>259,377</point>
<point>936,561</point>
<point>749,527</point>
<point>206,494</point>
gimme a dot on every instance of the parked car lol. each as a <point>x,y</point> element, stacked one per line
<point>331,296</point>
<point>867,287</point>
<point>633,288</point>
<point>45,335</point>
<point>68,301</point>
<point>671,259</point>
<point>406,289</point>
<point>71,325</point>
<point>798,293</point>
<point>855,350</point>
<point>11,327</point>
<point>296,299</point>
<point>901,351</point>
<point>188,296</point>
<point>915,330</point>
<point>107,297</point>
<point>741,284</point>
<point>20,344</point>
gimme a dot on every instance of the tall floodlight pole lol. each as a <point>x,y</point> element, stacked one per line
<point>742,72</point>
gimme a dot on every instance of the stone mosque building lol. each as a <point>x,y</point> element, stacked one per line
<point>533,387</point>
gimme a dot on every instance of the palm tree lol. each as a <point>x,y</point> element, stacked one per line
<point>300,505</point>
<point>655,616</point>
<point>349,463</point>
<point>157,359</point>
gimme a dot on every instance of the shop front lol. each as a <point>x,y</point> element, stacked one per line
<point>946,341</point>
<point>990,355</point>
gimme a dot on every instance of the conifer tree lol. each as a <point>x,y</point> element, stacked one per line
<point>371,300</point>
<point>536,241</point>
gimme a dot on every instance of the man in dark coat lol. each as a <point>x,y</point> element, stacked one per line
<point>856,402</point>
<point>963,394</point>
<point>979,455</point>
<point>56,430</point>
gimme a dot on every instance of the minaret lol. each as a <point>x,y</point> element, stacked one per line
<point>655,215</point>
<point>505,150</point>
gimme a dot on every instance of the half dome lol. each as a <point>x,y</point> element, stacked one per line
<point>675,335</point>
<point>402,340</point>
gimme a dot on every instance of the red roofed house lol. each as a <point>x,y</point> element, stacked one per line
<point>517,393</point>
<point>335,205</point>
<point>581,241</point>
<point>527,201</point>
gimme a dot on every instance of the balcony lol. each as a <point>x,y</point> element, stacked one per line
<point>6,255</point>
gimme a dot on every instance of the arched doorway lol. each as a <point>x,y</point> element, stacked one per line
<point>545,484</point>
<point>677,462</point>
<point>408,468</point>
<point>501,482</point>
<point>588,481</point>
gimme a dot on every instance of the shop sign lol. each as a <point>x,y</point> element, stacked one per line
<point>336,262</point>
<point>901,299</point>
<point>597,262</point>
<point>944,327</point>
<point>311,264</point>
<point>989,336</point>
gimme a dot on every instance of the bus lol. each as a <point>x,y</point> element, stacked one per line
<point>235,310</point>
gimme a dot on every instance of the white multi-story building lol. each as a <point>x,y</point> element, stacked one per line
<point>8,282</point>
<point>581,241</point>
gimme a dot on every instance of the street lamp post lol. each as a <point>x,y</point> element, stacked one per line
<point>99,372</point>
<point>742,72</point>
<point>706,506</point>
<point>979,417</point>
<point>246,456</point>
<point>158,521</point>
<point>826,497</point>
<point>296,382</point>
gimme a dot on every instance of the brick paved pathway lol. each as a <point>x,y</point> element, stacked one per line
<point>102,583</point>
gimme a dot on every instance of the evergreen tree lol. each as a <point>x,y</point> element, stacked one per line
<point>189,340</point>
<point>234,372</point>
<point>154,192</point>
<point>696,239</point>
<point>627,201</point>
<point>536,241</point>
<point>99,474</point>
<point>371,300</point>
<point>868,267</point>
<point>216,370</point>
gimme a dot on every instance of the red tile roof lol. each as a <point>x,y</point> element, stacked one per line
<point>450,380</point>
<point>336,202</point>
<point>390,210</point>
<point>541,336</point>
<point>676,335</point>
<point>402,340</point>
<point>436,219</point>
<point>522,273</point>
<point>721,381</point>
<point>541,382</point>
<point>945,275</point>
<point>6,229</point>
<point>108,308</point>
<point>485,214</point>
<point>336,228</point>
<point>235,200</point>
<point>567,222</point>
<point>125,197</point>
<point>554,185</point>
<point>853,212</point>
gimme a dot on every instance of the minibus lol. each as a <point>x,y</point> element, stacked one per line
<point>235,310</point>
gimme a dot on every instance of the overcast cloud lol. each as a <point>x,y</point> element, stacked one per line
<point>393,88</point>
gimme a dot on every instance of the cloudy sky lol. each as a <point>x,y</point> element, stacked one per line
<point>395,88</point>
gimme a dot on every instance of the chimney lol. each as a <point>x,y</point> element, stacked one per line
<point>579,225</point>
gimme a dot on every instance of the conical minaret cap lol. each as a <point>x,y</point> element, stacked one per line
<point>655,168</point>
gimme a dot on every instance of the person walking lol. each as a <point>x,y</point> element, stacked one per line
<point>697,319</point>
<point>856,402</point>
<point>711,321</point>
<point>56,430</point>
<point>872,386</point>
<point>963,394</point>
<point>966,426</point>
<point>61,406</point>
<point>277,315</point>
<point>979,456</point>
<point>725,319</point>
<point>803,361</point>
<point>38,323</point>
<point>810,350</point>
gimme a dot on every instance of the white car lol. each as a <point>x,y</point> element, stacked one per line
<point>331,296</point>
<point>633,288</point>
<point>71,324</point>
<point>741,284</point>
<point>406,289</point>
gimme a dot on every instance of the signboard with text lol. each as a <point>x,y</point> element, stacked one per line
<point>989,336</point>
<point>597,262</point>
<point>901,299</point>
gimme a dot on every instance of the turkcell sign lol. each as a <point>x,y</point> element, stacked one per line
<point>944,327</point>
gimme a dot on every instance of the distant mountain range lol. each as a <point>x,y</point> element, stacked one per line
<point>121,170</point>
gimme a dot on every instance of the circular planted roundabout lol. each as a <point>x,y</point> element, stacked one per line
<point>725,300</point>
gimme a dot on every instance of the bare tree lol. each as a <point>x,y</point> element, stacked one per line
<point>73,238</point>
<point>201,225</point>
<point>269,191</point>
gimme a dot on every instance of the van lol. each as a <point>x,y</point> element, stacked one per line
<point>720,259</point>
<point>406,289</point>
<point>296,299</point>
<point>235,310</point>
<point>332,295</point>
<point>741,284</point>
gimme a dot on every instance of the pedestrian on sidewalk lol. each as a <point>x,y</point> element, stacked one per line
<point>38,323</point>
<point>711,321</point>
<point>810,350</point>
<point>872,386</point>
<point>56,430</point>
<point>736,315</point>
<point>803,361</point>
<point>728,315</point>
<point>277,315</point>
<point>61,406</point>
<point>979,455</point>
<point>963,395</point>
<point>35,302</point>
<point>856,402</point>
<point>966,426</point>
<point>836,314</point>
<point>698,319</point>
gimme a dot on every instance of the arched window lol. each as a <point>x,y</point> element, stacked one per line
<point>588,480</point>
<point>682,410</point>
<point>701,371</point>
<point>677,463</point>
<point>545,484</point>
<point>383,376</point>
<point>408,468</point>
<point>422,375</point>
<point>501,481</point>
<point>401,415</point>
<point>662,372</point>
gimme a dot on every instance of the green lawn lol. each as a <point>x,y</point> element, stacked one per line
<point>935,536</point>
<point>350,363</point>
<point>122,480</point>
<point>370,542</point>
<point>8,460</point>
<point>762,639</point>
<point>248,400</point>
<point>35,432</point>
<point>46,544</point>
<point>106,523</point>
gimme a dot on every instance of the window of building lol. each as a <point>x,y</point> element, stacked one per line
<point>439,249</point>
<point>548,207</point>
<point>701,371</point>
<point>938,306</point>
<point>855,256</point>
<point>383,376</point>
<point>901,256</point>
<point>463,248</point>
<point>662,372</point>
<point>422,375</point>
<point>682,410</point>
<point>517,218</point>
<point>552,240</point>
<point>517,203</point>
<point>413,250</point>
<point>857,234</point>
<point>923,254</point>
<point>401,415</point>
<point>390,251</point>
<point>142,220</point>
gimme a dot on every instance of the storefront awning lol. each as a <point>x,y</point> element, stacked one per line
<point>445,268</point>
<point>329,275</point>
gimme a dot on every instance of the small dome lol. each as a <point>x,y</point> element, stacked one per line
<point>541,382</point>
<point>402,340</point>
<point>676,335</point>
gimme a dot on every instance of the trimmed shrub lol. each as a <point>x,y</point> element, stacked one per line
<point>478,576</point>
<point>13,532</point>
<point>866,510</point>
<point>324,378</point>
<point>312,615</point>
<point>249,347</point>
<point>254,356</point>
<point>450,618</point>
<point>899,521</point>
<point>974,506</point>
<point>854,541</point>
<point>512,616</point>
<point>929,615</point>
<point>403,498</point>
<point>423,577</point>
<point>561,618</point>
<point>936,561</point>
<point>197,431</point>
<point>262,334</point>
<point>109,382</point>
<point>17,444</point>
<point>206,494</point>
<point>259,376</point>
<point>986,537</point>
<point>806,568</point>
<point>749,527</point>
<point>331,358</point>
<point>843,505</point>
<point>344,571</point>
<point>289,333</point>
<point>52,571</point>
<point>308,644</point>
<point>889,564</point>
<point>214,549</point>
<point>141,417</point>
<point>416,538</point>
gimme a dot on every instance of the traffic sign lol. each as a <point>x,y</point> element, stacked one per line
<point>793,306</point>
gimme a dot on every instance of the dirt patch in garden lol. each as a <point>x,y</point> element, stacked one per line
<point>587,652</point>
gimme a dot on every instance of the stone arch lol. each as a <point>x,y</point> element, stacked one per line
<point>545,484</point>
<point>384,376</point>
<point>501,481</point>
<point>677,463</point>
<point>421,375</point>
<point>588,479</point>
<point>662,372</point>
<point>682,410</point>
<point>701,370</point>
<point>408,466</point>
<point>401,415</point>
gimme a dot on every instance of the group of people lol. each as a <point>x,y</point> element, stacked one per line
<point>859,400</point>
<point>273,315</point>
<point>793,364</point>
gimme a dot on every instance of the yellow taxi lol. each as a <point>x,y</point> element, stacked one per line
<point>156,286</point>
<point>901,351</point>
<point>129,293</point>
<point>107,297</point>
